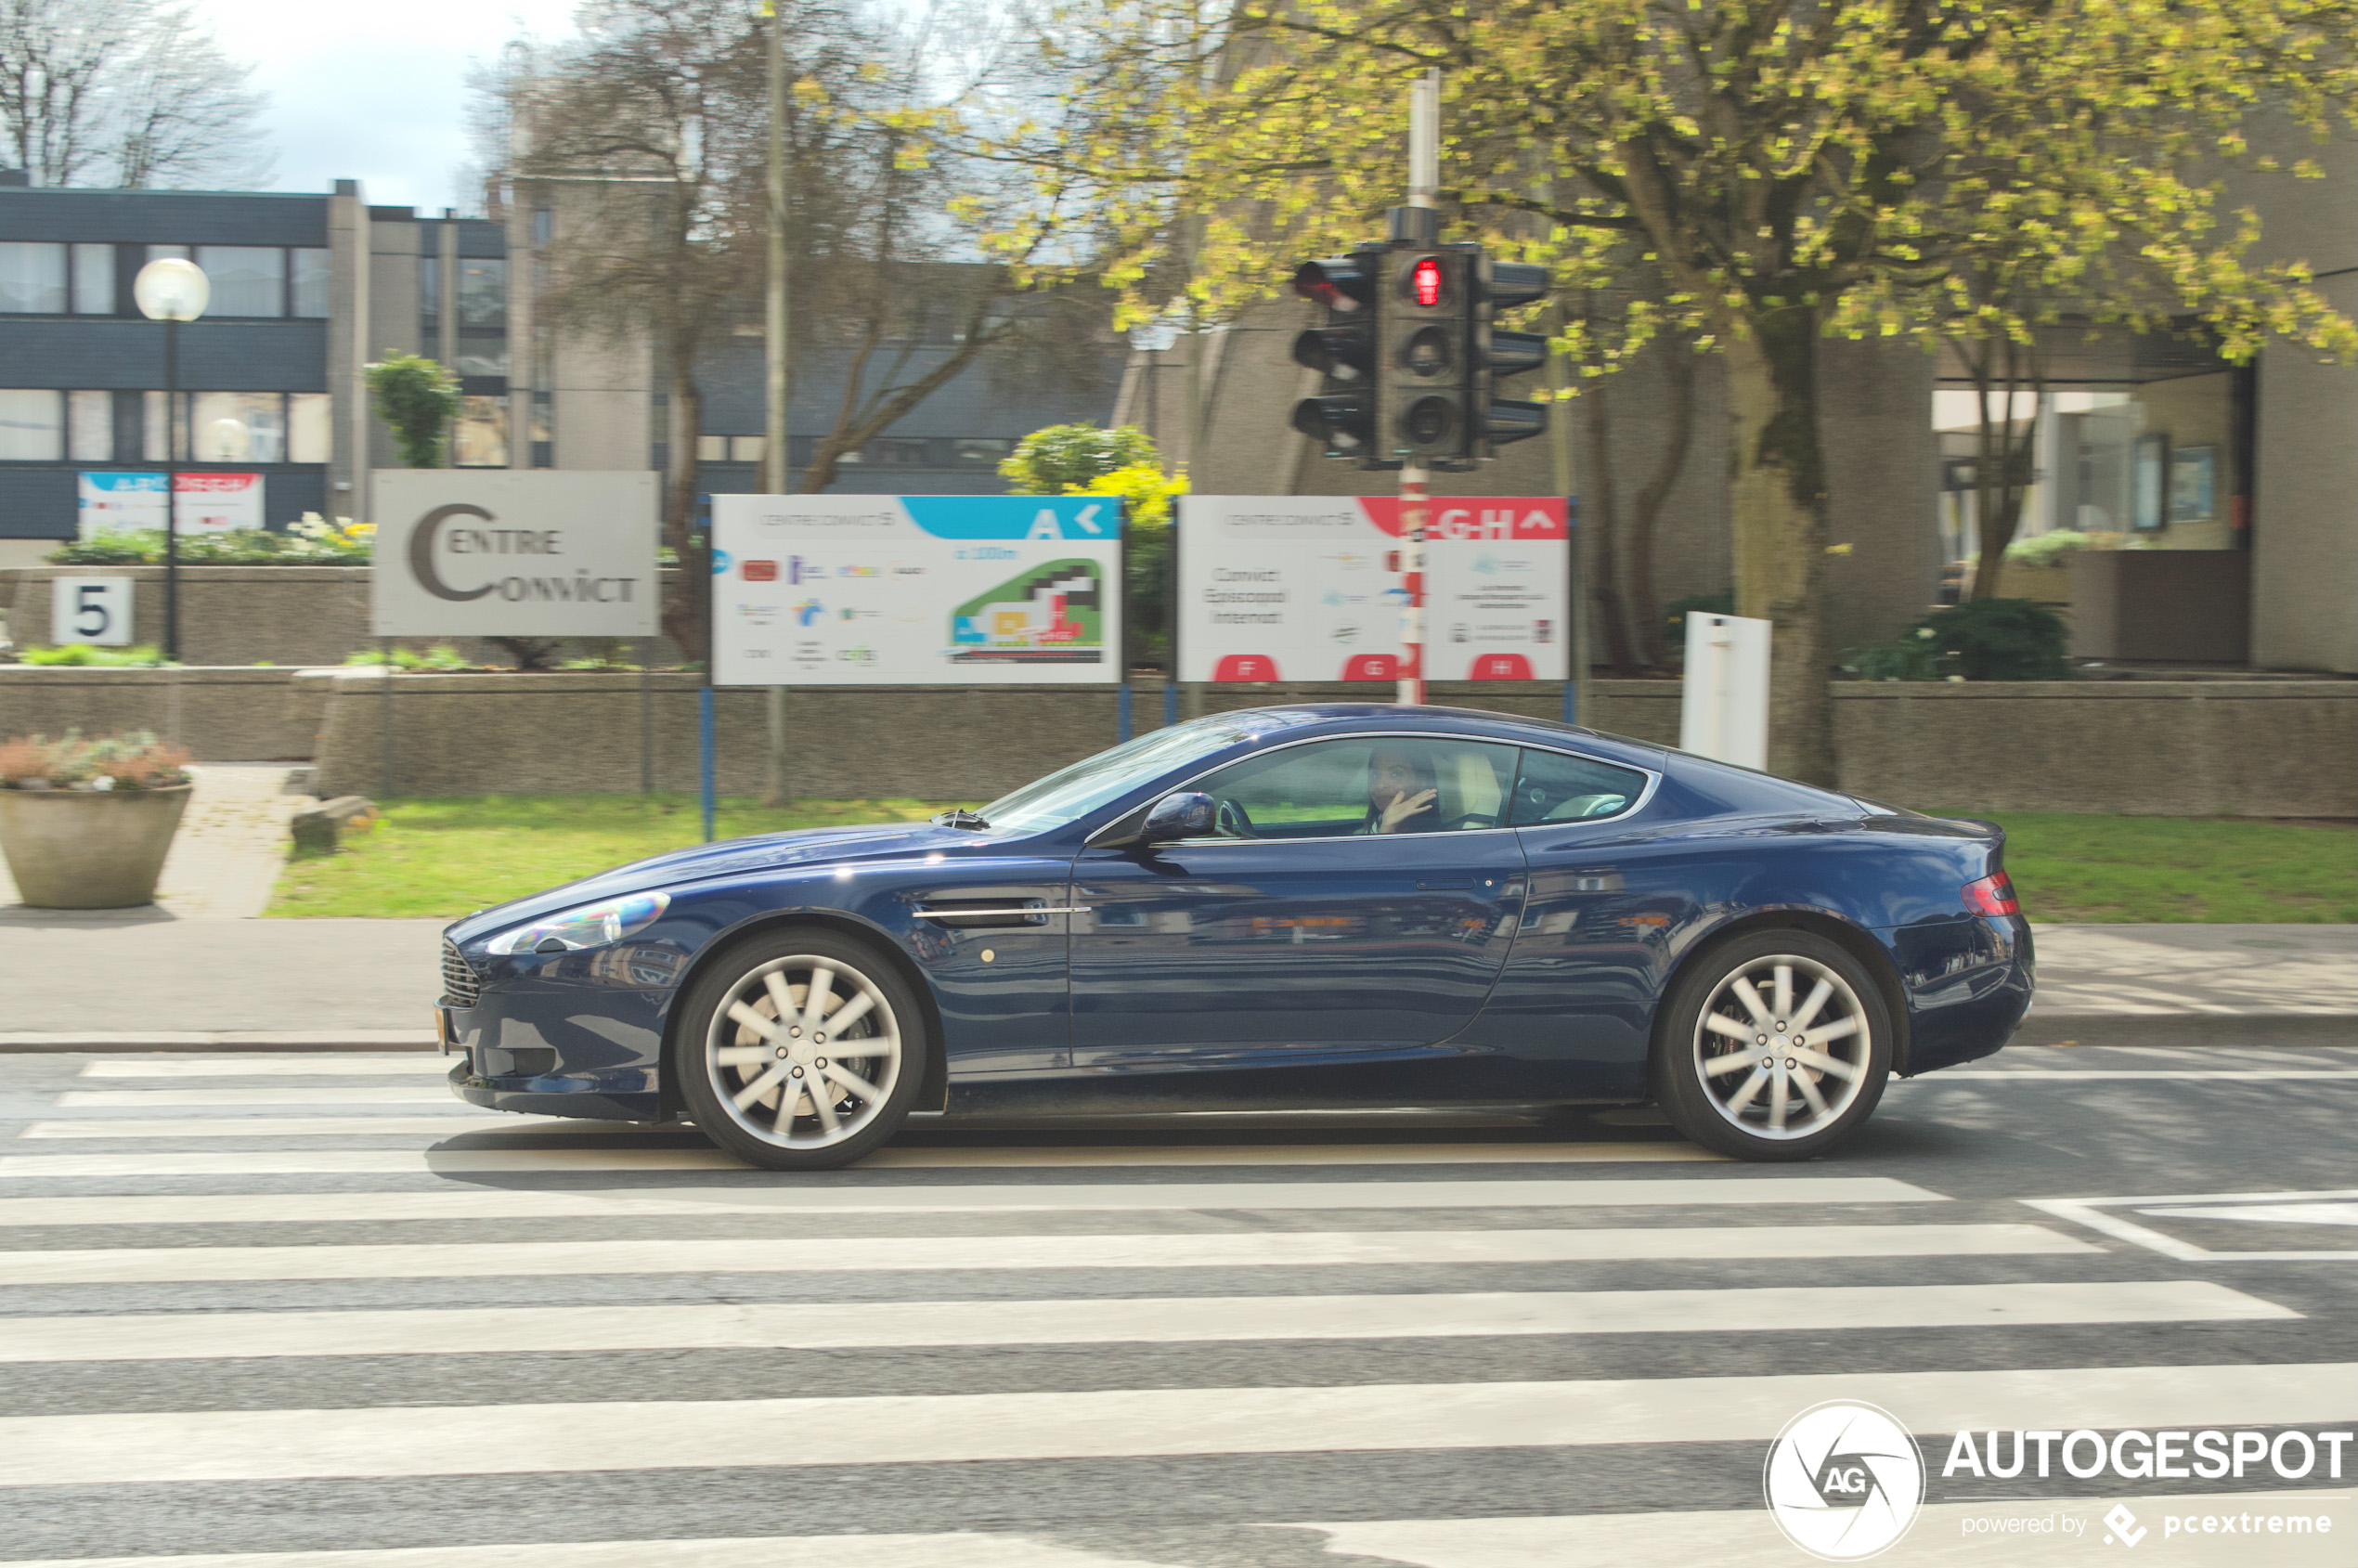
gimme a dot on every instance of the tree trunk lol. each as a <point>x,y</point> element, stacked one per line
<point>2004,461</point>
<point>687,599</point>
<point>1777,485</point>
<point>1645,609</point>
<point>1604,511</point>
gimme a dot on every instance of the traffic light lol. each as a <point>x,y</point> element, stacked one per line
<point>1343,416</point>
<point>1502,286</point>
<point>1424,323</point>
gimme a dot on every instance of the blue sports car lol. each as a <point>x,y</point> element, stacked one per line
<point>1330,906</point>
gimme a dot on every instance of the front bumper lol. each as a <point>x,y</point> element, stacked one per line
<point>559,1037</point>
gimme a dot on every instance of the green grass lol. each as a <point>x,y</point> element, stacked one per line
<point>444,857</point>
<point>2109,870</point>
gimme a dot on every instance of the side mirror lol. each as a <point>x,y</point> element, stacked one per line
<point>1175,817</point>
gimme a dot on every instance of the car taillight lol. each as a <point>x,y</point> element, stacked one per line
<point>1994,894</point>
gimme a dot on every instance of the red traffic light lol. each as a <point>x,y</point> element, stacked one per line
<point>1425,283</point>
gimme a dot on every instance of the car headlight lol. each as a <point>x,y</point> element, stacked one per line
<point>590,926</point>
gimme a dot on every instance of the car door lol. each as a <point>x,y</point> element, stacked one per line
<point>1574,1004</point>
<point>1303,952</point>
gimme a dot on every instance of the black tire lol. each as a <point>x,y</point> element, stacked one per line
<point>718,1057</point>
<point>1733,1108</point>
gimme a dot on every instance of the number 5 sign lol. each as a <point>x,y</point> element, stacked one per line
<point>91,610</point>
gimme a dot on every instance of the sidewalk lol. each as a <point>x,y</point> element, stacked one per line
<point>154,978</point>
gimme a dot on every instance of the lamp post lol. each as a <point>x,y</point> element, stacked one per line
<point>171,290</point>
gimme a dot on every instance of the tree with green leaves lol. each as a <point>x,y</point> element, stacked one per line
<point>1773,173</point>
<point>1054,459</point>
<point>416,397</point>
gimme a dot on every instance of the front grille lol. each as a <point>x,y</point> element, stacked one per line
<point>460,986</point>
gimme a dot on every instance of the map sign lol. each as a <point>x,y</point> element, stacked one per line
<point>1308,587</point>
<point>858,590</point>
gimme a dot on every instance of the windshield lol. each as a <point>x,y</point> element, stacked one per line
<point>1075,790</point>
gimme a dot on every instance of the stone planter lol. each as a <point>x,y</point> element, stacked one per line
<point>88,849</point>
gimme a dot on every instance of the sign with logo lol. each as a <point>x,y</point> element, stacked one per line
<point>514,552</point>
<point>208,502</point>
<point>90,610</point>
<point>853,591</point>
<point>1306,588</point>
<point>1844,1481</point>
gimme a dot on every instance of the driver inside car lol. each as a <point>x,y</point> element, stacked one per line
<point>1402,795</point>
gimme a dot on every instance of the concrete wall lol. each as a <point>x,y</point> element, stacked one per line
<point>2260,748</point>
<point>241,714</point>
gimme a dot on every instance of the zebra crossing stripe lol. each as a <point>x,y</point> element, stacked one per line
<point>802,1199</point>
<point>290,1064</point>
<point>1122,1320</point>
<point>157,1448</point>
<point>1390,1248</point>
<point>358,1095</point>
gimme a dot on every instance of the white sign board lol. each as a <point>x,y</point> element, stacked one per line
<point>861,590</point>
<point>215,503</point>
<point>514,552</point>
<point>1306,588</point>
<point>1723,712</point>
<point>90,610</point>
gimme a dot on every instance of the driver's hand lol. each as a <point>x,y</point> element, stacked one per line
<point>1403,808</point>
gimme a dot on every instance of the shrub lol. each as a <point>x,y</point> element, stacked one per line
<point>128,762</point>
<point>416,397</point>
<point>1057,459</point>
<point>441,657</point>
<point>1980,639</point>
<point>87,654</point>
<point>313,541</point>
<point>2054,548</point>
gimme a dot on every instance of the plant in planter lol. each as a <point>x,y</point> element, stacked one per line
<point>86,824</point>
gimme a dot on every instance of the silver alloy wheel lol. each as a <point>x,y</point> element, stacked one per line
<point>804,1052</point>
<point>1778,1062</point>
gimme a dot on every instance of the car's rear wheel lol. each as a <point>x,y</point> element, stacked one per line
<point>800,1051</point>
<point>1775,1046</point>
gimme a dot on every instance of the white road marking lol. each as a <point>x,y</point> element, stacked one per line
<point>1388,1249</point>
<point>443,1126</point>
<point>995,1549</point>
<point>2097,1214</point>
<point>388,1161</point>
<point>2036,1075</point>
<point>285,1065</point>
<point>1125,1320</point>
<point>794,1198</point>
<point>165,1447</point>
<point>2342,1213</point>
<point>421,1095</point>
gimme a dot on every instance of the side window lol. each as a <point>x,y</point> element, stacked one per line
<point>1556,788</point>
<point>1380,784</point>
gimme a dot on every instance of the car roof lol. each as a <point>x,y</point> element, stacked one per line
<point>1308,719</point>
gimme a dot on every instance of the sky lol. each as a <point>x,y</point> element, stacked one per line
<point>373,92</point>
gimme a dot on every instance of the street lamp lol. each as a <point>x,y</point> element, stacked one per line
<point>171,290</point>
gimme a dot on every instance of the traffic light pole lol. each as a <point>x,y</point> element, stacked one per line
<point>1424,178</point>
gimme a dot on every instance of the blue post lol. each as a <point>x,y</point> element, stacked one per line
<point>1170,703</point>
<point>704,747</point>
<point>1572,702</point>
<point>1121,722</point>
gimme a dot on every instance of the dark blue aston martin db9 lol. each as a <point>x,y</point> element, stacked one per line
<point>1333,906</point>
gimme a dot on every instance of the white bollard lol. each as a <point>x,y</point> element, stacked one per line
<point>1724,713</point>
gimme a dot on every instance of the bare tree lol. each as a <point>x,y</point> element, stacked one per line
<point>124,93</point>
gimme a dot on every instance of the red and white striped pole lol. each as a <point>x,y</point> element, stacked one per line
<point>1413,507</point>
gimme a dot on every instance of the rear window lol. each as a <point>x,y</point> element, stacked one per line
<point>1553,788</point>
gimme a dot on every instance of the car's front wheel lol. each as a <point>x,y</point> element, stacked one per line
<point>800,1051</point>
<point>1775,1046</point>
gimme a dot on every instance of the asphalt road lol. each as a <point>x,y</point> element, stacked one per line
<point>253,1309</point>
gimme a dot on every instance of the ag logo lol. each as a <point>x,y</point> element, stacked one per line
<point>1844,1481</point>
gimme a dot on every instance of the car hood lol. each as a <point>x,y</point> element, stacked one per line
<point>730,856</point>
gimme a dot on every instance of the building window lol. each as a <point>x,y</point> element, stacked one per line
<point>746,449</point>
<point>544,429</point>
<point>712,448</point>
<point>483,295</point>
<point>151,440</point>
<point>239,426</point>
<point>308,418</point>
<point>32,278</point>
<point>544,224</point>
<point>164,252</point>
<point>429,296</point>
<point>90,426</point>
<point>33,427</point>
<point>968,452</point>
<point>93,279</point>
<point>483,356</point>
<point>900,451</point>
<point>309,278</point>
<point>479,438</point>
<point>247,279</point>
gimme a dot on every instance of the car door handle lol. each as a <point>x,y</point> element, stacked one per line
<point>1438,884</point>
